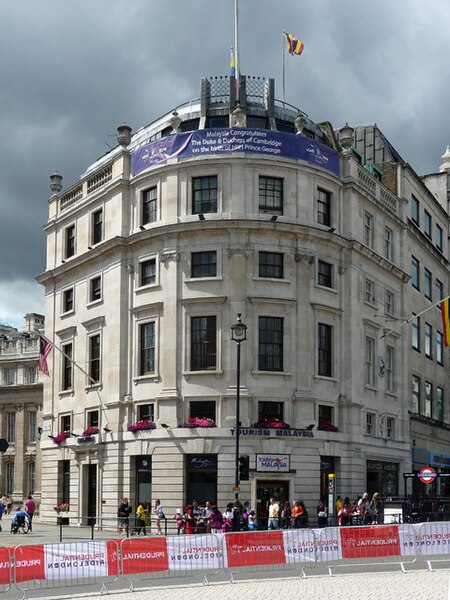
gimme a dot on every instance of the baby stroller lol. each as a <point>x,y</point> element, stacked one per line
<point>21,525</point>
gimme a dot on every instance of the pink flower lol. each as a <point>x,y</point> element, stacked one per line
<point>142,425</point>
<point>61,437</point>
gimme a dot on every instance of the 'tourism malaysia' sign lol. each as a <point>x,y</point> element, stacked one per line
<point>207,142</point>
<point>272,463</point>
<point>275,432</point>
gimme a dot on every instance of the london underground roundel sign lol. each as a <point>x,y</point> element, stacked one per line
<point>427,475</point>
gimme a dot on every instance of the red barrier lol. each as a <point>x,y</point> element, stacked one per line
<point>370,542</point>
<point>254,548</point>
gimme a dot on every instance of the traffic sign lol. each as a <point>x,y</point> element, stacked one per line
<point>427,474</point>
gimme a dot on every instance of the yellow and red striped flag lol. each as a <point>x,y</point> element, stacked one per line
<point>445,312</point>
<point>295,46</point>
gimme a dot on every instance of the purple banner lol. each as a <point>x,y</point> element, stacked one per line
<point>207,142</point>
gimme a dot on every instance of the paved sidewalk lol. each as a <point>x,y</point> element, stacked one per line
<point>415,585</point>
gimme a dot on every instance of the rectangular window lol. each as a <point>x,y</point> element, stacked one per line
<point>439,237</point>
<point>270,410</point>
<point>204,264</point>
<point>370,362</point>
<point>389,369</point>
<point>428,336</point>
<point>415,333</point>
<point>97,226</point>
<point>203,343</point>
<point>428,399</point>
<point>439,404</point>
<point>31,477</point>
<point>148,272</point>
<point>388,244</point>
<point>69,249</point>
<point>9,478</point>
<point>439,348</point>
<point>370,423</point>
<point>146,348</point>
<point>415,272</point>
<point>324,274</point>
<point>415,396</point>
<point>427,224</point>
<point>66,423</point>
<point>271,194</point>
<point>204,194</point>
<point>32,426</point>
<point>368,230</point>
<point>270,349</point>
<point>370,291</point>
<point>203,409</point>
<point>326,416</point>
<point>92,419</point>
<point>324,207</point>
<point>149,198</point>
<point>68,300</point>
<point>31,375</point>
<point>146,412</point>
<point>439,286</point>
<point>390,428</point>
<point>389,302</point>
<point>324,345</point>
<point>415,210</point>
<point>11,427</point>
<point>271,265</point>
<point>95,289</point>
<point>67,366</point>
<point>94,358</point>
<point>10,376</point>
<point>427,284</point>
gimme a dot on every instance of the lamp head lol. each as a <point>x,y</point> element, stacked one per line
<point>239,330</point>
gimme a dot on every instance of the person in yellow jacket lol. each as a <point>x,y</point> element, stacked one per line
<point>141,515</point>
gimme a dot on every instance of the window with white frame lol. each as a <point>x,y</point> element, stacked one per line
<point>204,194</point>
<point>325,350</point>
<point>67,366</point>
<point>324,207</point>
<point>439,404</point>
<point>428,408</point>
<point>92,418</point>
<point>370,361</point>
<point>202,409</point>
<point>94,358</point>
<point>428,337</point>
<point>439,347</point>
<point>415,394</point>
<point>271,194</point>
<point>147,272</point>
<point>388,244</point>
<point>389,369</point>
<point>31,476</point>
<point>270,343</point>
<point>147,348</point>
<point>10,375</point>
<point>95,288</point>
<point>11,427</point>
<point>389,306</point>
<point>427,283</point>
<point>370,291</point>
<point>69,241</point>
<point>97,226</point>
<point>415,272</point>
<point>368,230</point>
<point>145,412</point>
<point>324,274</point>
<point>204,264</point>
<point>439,287</point>
<point>390,428</point>
<point>32,426</point>
<point>415,333</point>
<point>271,265</point>
<point>149,205</point>
<point>203,343</point>
<point>31,375</point>
<point>415,210</point>
<point>68,300</point>
<point>370,423</point>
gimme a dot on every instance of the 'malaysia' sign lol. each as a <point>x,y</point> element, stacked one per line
<point>273,463</point>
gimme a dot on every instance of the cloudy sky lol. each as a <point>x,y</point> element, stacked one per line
<point>72,71</point>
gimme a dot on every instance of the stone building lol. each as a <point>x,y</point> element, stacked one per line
<point>21,396</point>
<point>222,208</point>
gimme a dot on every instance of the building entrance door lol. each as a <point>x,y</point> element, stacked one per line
<point>265,490</point>
<point>91,505</point>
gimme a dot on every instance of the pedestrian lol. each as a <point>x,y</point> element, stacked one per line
<point>363,507</point>
<point>206,512</point>
<point>244,516</point>
<point>252,525</point>
<point>123,516</point>
<point>190,521</point>
<point>179,521</point>
<point>159,514</point>
<point>344,515</point>
<point>215,520</point>
<point>322,514</point>
<point>141,516</point>
<point>286,514</point>
<point>30,508</point>
<point>9,503</point>
<point>274,514</point>
<point>374,509</point>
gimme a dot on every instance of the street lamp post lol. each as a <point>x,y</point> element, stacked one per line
<point>238,335</point>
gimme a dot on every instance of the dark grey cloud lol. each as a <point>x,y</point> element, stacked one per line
<point>71,72</point>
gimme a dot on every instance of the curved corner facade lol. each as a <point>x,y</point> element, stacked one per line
<point>207,213</point>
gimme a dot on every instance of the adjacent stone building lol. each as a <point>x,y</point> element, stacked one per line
<point>21,396</point>
<point>240,204</point>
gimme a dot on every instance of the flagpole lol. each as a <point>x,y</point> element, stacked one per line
<point>91,379</point>
<point>406,321</point>
<point>283,60</point>
<point>236,49</point>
